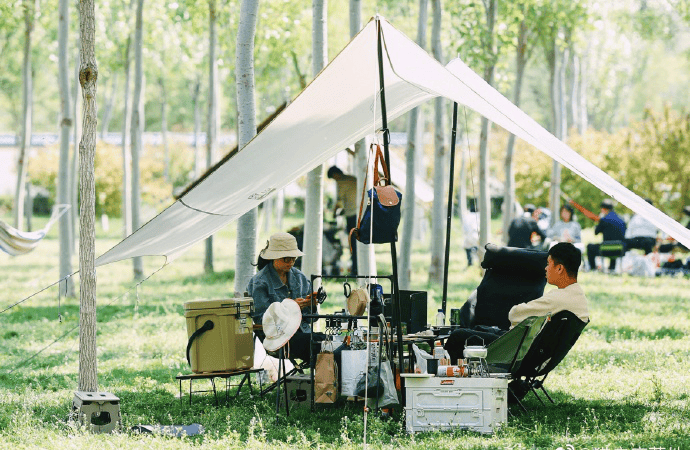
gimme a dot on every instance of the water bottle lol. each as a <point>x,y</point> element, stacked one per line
<point>438,351</point>
<point>440,318</point>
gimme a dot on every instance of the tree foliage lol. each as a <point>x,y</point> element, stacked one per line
<point>651,158</point>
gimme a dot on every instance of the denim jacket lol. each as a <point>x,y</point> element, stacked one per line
<point>265,288</point>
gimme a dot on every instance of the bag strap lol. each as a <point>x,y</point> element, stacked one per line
<point>208,325</point>
<point>361,205</point>
<point>384,166</point>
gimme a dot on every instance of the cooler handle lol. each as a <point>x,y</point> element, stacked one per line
<point>204,328</point>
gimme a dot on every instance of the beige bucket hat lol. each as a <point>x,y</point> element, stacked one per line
<point>357,302</point>
<point>280,322</point>
<point>281,245</point>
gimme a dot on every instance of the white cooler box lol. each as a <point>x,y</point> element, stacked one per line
<point>442,403</point>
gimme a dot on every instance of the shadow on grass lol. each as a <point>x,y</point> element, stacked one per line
<point>577,416</point>
<point>626,333</point>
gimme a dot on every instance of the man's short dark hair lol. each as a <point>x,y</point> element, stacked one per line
<point>567,254</point>
<point>333,170</point>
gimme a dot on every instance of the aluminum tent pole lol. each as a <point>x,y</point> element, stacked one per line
<point>395,295</point>
<point>450,205</point>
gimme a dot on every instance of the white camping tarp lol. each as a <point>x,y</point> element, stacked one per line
<point>339,107</point>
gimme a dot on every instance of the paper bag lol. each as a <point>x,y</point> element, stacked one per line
<point>325,379</point>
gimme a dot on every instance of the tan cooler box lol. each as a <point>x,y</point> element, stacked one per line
<point>220,334</point>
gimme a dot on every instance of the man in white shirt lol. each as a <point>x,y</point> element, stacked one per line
<point>561,270</point>
<point>562,265</point>
<point>641,233</point>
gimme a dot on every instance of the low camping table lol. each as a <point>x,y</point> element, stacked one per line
<point>244,373</point>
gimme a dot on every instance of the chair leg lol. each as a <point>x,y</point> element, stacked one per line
<point>517,400</point>
<point>534,391</point>
<point>275,383</point>
<point>547,394</point>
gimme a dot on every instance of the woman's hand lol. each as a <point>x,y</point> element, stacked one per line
<point>306,302</point>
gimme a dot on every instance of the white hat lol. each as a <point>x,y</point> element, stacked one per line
<point>281,245</point>
<point>280,322</point>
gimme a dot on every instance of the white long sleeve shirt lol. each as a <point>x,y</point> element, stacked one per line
<point>570,298</point>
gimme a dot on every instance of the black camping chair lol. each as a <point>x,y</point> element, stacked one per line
<point>545,342</point>
<point>513,276</point>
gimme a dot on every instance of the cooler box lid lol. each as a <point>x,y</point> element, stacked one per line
<point>220,306</point>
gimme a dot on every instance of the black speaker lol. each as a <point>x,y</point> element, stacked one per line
<point>412,309</point>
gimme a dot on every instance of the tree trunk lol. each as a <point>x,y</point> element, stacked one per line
<point>74,169</point>
<point>212,123</point>
<point>126,147</point>
<point>574,83</point>
<point>413,147</point>
<point>582,98</point>
<point>313,210</point>
<point>365,253</point>
<point>27,107</point>
<point>438,216</point>
<point>509,192</point>
<point>164,128</point>
<point>246,112</point>
<point>484,193</point>
<point>197,130</point>
<point>137,131</point>
<point>108,112</point>
<point>561,133</point>
<point>88,77</point>
<point>65,127</point>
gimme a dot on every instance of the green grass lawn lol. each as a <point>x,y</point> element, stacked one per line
<point>624,385</point>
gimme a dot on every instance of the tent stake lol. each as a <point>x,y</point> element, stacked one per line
<point>395,295</point>
<point>450,205</point>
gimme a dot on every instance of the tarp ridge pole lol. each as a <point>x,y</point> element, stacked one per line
<point>395,294</point>
<point>450,205</point>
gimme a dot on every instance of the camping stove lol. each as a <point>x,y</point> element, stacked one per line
<point>475,360</point>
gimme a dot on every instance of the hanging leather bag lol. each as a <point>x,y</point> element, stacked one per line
<point>379,222</point>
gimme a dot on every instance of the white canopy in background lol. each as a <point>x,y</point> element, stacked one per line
<point>339,107</point>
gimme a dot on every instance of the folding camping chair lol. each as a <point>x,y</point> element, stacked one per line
<point>297,366</point>
<point>512,276</point>
<point>531,350</point>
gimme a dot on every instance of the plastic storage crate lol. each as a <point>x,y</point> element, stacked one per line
<point>442,403</point>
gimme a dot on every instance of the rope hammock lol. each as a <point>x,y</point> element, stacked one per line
<point>16,242</point>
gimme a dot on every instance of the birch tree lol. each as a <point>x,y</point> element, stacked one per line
<point>74,168</point>
<point>489,69</point>
<point>414,146</point>
<point>438,218</point>
<point>88,77</point>
<point>522,54</point>
<point>197,129</point>
<point>126,145</point>
<point>109,101</point>
<point>29,7</point>
<point>313,209</point>
<point>212,122</point>
<point>164,127</point>
<point>246,120</point>
<point>65,127</point>
<point>137,131</point>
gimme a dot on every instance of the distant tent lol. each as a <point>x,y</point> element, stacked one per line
<point>339,107</point>
<point>16,242</point>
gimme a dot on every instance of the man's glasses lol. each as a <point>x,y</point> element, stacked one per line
<point>289,259</point>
